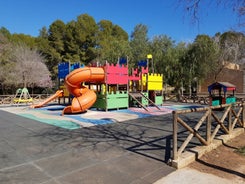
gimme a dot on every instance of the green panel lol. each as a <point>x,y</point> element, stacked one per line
<point>112,101</point>
<point>215,102</point>
<point>118,95</point>
<point>144,101</point>
<point>132,102</point>
<point>117,103</point>
<point>100,96</point>
<point>230,100</point>
<point>100,103</point>
<point>158,100</point>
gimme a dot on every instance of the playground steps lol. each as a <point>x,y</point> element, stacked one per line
<point>136,95</point>
<point>150,101</point>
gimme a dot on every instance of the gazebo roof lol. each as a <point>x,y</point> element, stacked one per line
<point>225,85</point>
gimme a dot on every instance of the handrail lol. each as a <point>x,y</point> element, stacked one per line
<point>151,102</point>
<point>131,94</point>
<point>233,114</point>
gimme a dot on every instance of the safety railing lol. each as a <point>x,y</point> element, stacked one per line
<point>223,119</point>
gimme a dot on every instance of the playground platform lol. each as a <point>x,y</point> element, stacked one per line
<point>123,146</point>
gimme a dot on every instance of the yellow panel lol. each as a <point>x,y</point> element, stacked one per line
<point>155,86</point>
<point>155,77</point>
<point>143,79</point>
<point>149,56</point>
<point>23,100</point>
<point>65,91</point>
<point>155,81</point>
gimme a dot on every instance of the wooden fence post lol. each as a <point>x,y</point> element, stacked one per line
<point>230,120</point>
<point>175,136</point>
<point>208,126</point>
<point>243,114</point>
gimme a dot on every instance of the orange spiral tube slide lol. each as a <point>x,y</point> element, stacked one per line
<point>84,98</point>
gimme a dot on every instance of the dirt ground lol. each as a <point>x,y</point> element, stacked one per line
<point>224,161</point>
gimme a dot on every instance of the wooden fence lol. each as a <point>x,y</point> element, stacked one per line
<point>223,119</point>
<point>200,98</point>
<point>9,99</point>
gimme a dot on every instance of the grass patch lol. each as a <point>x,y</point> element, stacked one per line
<point>241,151</point>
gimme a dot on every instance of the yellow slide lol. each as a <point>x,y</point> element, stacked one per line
<point>58,93</point>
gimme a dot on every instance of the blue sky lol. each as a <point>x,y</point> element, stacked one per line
<point>163,17</point>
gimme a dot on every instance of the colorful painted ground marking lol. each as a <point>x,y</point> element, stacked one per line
<point>52,115</point>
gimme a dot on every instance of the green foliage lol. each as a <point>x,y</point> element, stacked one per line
<point>43,32</point>
<point>139,43</point>
<point>5,62</point>
<point>176,67</point>
<point>22,38</point>
<point>112,42</point>
<point>202,58</point>
<point>161,47</point>
<point>5,33</point>
<point>85,32</point>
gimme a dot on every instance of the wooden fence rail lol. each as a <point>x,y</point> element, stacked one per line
<point>223,118</point>
<point>8,99</point>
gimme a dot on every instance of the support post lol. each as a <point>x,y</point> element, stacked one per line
<point>243,115</point>
<point>230,120</point>
<point>208,127</point>
<point>175,136</point>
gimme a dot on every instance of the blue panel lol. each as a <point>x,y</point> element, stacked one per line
<point>122,61</point>
<point>63,69</point>
<point>74,66</point>
<point>142,63</point>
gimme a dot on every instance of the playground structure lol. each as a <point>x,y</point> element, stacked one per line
<point>221,93</point>
<point>58,94</point>
<point>22,96</point>
<point>107,87</point>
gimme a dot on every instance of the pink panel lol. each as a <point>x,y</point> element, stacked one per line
<point>123,79</point>
<point>111,68</point>
<point>117,79</point>
<point>144,70</point>
<point>124,69</point>
<point>135,78</point>
<point>111,79</point>
<point>135,71</point>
